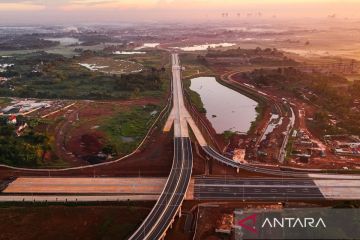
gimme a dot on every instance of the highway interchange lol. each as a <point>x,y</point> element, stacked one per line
<point>169,203</point>
<point>302,186</point>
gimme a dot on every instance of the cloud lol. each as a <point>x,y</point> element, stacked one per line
<point>138,10</point>
<point>91,2</point>
<point>108,4</point>
<point>155,4</point>
<point>21,6</point>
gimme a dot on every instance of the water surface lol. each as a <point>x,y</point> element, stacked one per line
<point>204,47</point>
<point>128,52</point>
<point>226,109</point>
<point>148,45</point>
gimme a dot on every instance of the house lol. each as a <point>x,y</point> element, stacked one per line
<point>12,120</point>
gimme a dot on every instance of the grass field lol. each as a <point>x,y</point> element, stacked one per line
<point>41,75</point>
<point>192,66</point>
<point>153,58</point>
<point>117,118</point>
<point>4,102</point>
<point>194,97</point>
<point>111,66</point>
<point>127,128</point>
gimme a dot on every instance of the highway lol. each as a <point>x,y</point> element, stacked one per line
<point>200,188</point>
<point>256,189</point>
<point>169,203</point>
<point>78,198</point>
<point>81,186</point>
<point>305,186</point>
<point>275,172</point>
<point>227,161</point>
<point>274,189</point>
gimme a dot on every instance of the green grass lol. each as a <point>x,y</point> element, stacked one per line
<point>4,102</point>
<point>229,134</point>
<point>260,108</point>
<point>152,58</point>
<point>27,150</point>
<point>195,98</point>
<point>289,147</point>
<point>126,129</point>
<point>193,68</point>
<point>59,77</point>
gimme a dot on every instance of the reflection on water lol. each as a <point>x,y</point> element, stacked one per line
<point>128,53</point>
<point>206,46</point>
<point>226,109</point>
<point>147,45</point>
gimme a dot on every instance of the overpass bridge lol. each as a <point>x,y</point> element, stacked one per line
<point>169,203</point>
<point>206,188</point>
<point>274,189</point>
<point>174,189</point>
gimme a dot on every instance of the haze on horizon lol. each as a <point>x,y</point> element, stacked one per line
<point>111,11</point>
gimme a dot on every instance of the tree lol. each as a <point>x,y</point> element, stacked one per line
<point>136,93</point>
<point>109,149</point>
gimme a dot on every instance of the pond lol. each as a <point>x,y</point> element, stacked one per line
<point>148,45</point>
<point>204,47</point>
<point>128,53</point>
<point>226,109</point>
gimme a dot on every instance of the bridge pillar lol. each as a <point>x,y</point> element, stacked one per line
<point>171,223</point>
<point>180,212</point>
<point>237,170</point>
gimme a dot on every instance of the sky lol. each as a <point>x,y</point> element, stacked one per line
<point>98,11</point>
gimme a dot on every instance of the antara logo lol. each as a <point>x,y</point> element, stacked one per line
<point>251,218</point>
<point>294,222</point>
<point>249,223</point>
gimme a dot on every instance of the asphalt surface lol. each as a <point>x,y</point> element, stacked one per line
<point>256,189</point>
<point>172,196</point>
<point>78,198</point>
<point>170,200</point>
<point>275,172</point>
<point>227,161</point>
<point>56,185</point>
<point>179,193</point>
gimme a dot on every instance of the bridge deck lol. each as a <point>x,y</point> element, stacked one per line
<point>208,188</point>
<point>152,186</point>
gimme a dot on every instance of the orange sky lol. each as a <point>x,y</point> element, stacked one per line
<point>84,10</point>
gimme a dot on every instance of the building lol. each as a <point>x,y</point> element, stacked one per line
<point>12,120</point>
